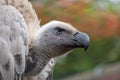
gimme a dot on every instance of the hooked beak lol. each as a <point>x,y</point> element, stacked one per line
<point>81,39</point>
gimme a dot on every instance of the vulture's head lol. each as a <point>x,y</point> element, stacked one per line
<point>56,38</point>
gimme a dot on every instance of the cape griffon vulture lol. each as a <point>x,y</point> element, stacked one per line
<point>27,51</point>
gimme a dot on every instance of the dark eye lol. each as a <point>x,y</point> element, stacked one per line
<point>58,31</point>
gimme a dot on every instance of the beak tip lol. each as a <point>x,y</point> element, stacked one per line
<point>86,44</point>
<point>85,49</point>
<point>83,40</point>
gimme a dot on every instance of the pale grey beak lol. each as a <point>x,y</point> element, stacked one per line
<point>82,40</point>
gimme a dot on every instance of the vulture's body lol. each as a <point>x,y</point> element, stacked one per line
<point>19,30</point>
<point>13,43</point>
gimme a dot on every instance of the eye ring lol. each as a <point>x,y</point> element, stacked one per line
<point>58,31</point>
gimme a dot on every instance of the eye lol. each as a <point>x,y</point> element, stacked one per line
<point>58,31</point>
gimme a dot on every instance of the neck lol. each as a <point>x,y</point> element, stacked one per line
<point>36,61</point>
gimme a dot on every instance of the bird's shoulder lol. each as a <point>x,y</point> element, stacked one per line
<point>13,28</point>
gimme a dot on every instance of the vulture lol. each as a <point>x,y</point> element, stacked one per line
<point>27,51</point>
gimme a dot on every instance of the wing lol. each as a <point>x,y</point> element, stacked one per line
<point>29,14</point>
<point>13,43</point>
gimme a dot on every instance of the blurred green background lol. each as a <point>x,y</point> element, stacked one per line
<point>99,18</point>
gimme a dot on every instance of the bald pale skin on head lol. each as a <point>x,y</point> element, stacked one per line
<point>54,39</point>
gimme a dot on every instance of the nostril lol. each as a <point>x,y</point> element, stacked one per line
<point>76,33</point>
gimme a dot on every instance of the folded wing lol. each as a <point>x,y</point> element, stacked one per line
<point>13,43</point>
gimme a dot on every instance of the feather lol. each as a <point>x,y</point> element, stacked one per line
<point>46,73</point>
<point>13,45</point>
<point>29,14</point>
